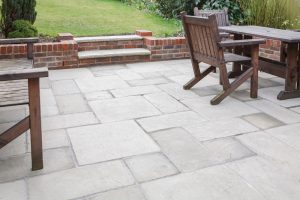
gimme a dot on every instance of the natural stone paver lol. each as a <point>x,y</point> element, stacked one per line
<point>132,91</point>
<point>67,121</point>
<point>219,129</point>
<point>67,74</point>
<point>12,114</point>
<point>177,91</point>
<point>149,167</point>
<point>65,87</point>
<point>170,121</point>
<point>149,81</point>
<point>92,96</point>
<point>16,147</point>
<point>288,134</point>
<point>209,184</point>
<point>276,111</point>
<point>110,141</point>
<point>262,120</point>
<point>227,109</point>
<point>78,182</point>
<point>127,193</point>
<point>20,166</point>
<point>296,109</point>
<point>189,155</point>
<point>165,103</point>
<point>100,83</point>
<point>13,190</point>
<point>148,67</point>
<point>72,103</point>
<point>123,109</point>
<point>268,178</point>
<point>127,74</point>
<point>183,79</point>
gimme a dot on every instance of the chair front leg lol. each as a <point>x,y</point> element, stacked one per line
<point>255,66</point>
<point>35,124</point>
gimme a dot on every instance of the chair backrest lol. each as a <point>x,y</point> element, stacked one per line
<point>222,15</point>
<point>202,35</point>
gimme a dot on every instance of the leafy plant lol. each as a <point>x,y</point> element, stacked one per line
<point>22,29</point>
<point>13,10</point>
<point>235,12</point>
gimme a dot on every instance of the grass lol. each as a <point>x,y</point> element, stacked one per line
<point>97,17</point>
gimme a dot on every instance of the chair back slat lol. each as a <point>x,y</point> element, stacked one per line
<point>203,36</point>
<point>221,15</point>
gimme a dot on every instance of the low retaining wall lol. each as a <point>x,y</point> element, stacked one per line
<point>64,54</point>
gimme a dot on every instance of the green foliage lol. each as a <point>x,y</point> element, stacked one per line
<point>13,10</point>
<point>272,13</point>
<point>22,29</point>
<point>235,12</point>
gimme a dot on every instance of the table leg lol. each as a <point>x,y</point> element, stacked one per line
<point>236,68</point>
<point>291,77</point>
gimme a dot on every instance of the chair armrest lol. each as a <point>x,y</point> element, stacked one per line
<point>9,75</point>
<point>233,43</point>
<point>224,35</point>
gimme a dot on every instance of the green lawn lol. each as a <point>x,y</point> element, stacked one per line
<point>97,17</point>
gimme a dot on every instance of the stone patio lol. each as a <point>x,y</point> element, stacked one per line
<point>130,132</point>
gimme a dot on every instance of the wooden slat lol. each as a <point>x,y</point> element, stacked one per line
<point>234,43</point>
<point>23,74</point>
<point>13,93</point>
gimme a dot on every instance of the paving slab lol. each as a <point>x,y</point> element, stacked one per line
<point>220,129</point>
<point>12,114</point>
<point>165,103</point>
<point>72,103</point>
<point>64,87</point>
<point>127,74</point>
<point>176,91</point>
<point>16,147</point>
<point>79,182</point>
<point>172,120</point>
<point>127,193</point>
<point>210,184</point>
<point>66,74</point>
<point>104,142</point>
<point>133,91</point>
<point>120,109</point>
<point>92,96</point>
<point>150,167</point>
<point>189,154</point>
<point>13,190</point>
<point>262,120</point>
<point>148,81</point>
<point>228,108</point>
<point>183,79</point>
<point>20,166</point>
<point>148,67</point>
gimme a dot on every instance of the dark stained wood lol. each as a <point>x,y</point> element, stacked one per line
<point>23,74</point>
<point>206,46</point>
<point>221,15</point>
<point>234,43</point>
<point>273,67</point>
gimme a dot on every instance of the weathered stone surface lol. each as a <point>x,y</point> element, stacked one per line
<point>13,190</point>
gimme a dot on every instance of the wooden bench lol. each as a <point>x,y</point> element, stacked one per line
<point>28,41</point>
<point>20,86</point>
<point>206,46</point>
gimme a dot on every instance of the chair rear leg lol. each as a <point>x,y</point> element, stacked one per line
<point>35,124</point>
<point>255,66</point>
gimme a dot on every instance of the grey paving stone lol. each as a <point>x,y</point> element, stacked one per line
<point>296,109</point>
<point>288,134</point>
<point>177,91</point>
<point>13,190</point>
<point>189,154</point>
<point>242,95</point>
<point>45,83</point>
<point>148,67</point>
<point>262,120</point>
<point>52,139</point>
<point>127,193</point>
<point>20,166</point>
<point>228,108</point>
<point>210,184</point>
<point>149,167</point>
<point>12,114</point>
<point>127,74</point>
<point>165,103</point>
<point>276,111</point>
<point>47,98</point>
<point>172,120</point>
<point>205,91</point>
<point>103,142</point>
<point>92,96</point>
<point>183,79</point>
<point>219,129</point>
<point>65,87</point>
<point>115,67</point>
<point>67,121</point>
<point>270,93</point>
<point>87,85</point>
<point>16,147</point>
<point>72,103</point>
<point>149,81</point>
<point>132,91</point>
<point>78,182</point>
<point>268,177</point>
<point>66,74</point>
<point>112,110</point>
<point>47,111</point>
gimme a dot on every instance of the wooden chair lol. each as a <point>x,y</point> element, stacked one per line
<point>206,46</point>
<point>21,87</point>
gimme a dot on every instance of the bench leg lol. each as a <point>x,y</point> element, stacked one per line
<point>35,124</point>
<point>255,66</point>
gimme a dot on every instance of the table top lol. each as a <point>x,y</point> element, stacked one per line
<point>264,32</point>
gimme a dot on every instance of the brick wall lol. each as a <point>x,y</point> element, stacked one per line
<point>86,46</point>
<point>270,50</point>
<point>56,54</point>
<point>13,51</point>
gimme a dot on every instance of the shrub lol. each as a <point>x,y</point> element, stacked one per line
<point>13,10</point>
<point>22,29</point>
<point>235,12</point>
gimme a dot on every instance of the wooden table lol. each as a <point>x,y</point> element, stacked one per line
<point>288,68</point>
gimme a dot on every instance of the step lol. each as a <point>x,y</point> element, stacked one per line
<point>113,53</point>
<point>107,38</point>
